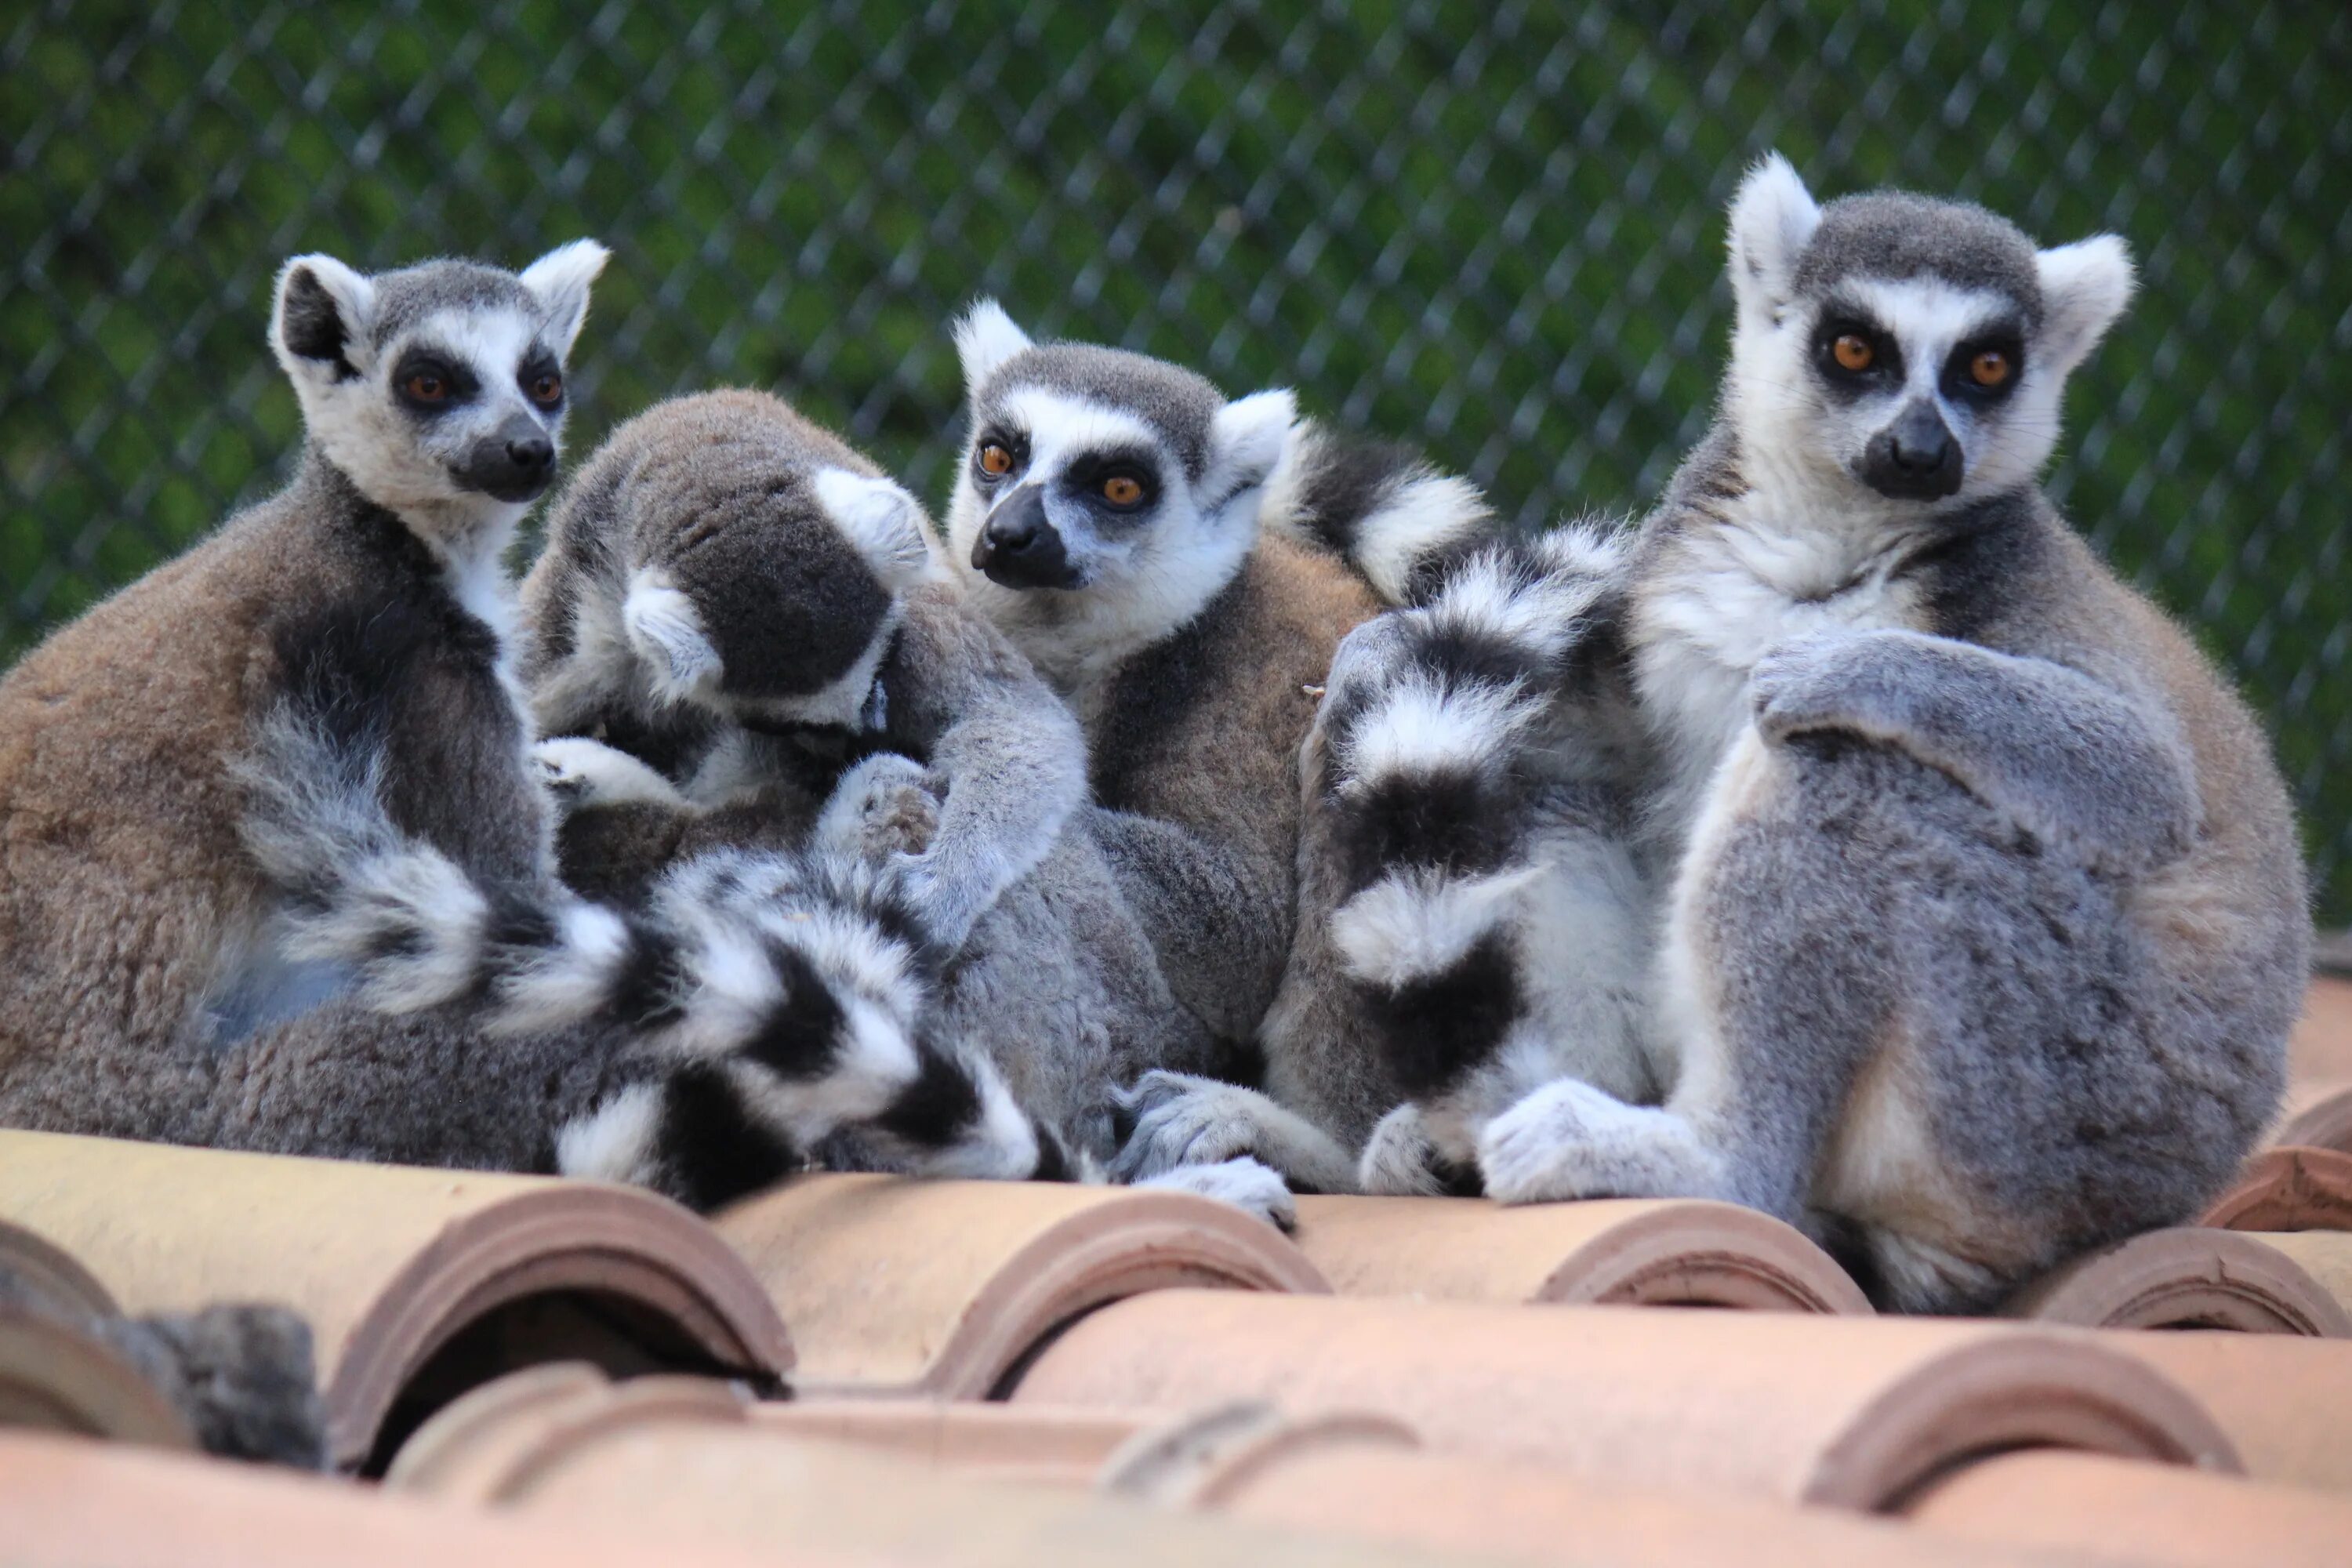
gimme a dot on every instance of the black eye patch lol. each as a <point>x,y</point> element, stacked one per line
<point>428,382</point>
<point>1853,354</point>
<point>1118,479</point>
<point>1986,366</point>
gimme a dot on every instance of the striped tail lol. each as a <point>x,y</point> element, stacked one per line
<point>1441,723</point>
<point>1400,522</point>
<point>781,998</point>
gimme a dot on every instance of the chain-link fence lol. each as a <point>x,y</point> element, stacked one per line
<point>1493,229</point>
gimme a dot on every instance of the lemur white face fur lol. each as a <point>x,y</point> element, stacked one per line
<point>1105,494</point>
<point>438,388</point>
<point>1917,351</point>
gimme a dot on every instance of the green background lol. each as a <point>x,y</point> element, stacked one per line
<point>1494,229</point>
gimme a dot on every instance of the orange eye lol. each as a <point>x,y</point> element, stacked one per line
<point>1122,489</point>
<point>1989,368</point>
<point>426,388</point>
<point>547,388</point>
<point>1853,351</point>
<point>995,458</point>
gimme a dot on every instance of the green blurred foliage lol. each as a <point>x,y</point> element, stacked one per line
<point>1495,229</point>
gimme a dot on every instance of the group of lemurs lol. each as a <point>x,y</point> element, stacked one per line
<point>1215,799</point>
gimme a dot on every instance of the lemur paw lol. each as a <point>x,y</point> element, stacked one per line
<point>1182,1119</point>
<point>1399,1159</point>
<point>1833,681</point>
<point>884,807</point>
<point>582,773</point>
<point>1570,1140</point>
<point>1243,1181</point>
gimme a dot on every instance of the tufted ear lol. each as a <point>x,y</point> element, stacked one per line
<point>667,635</point>
<point>558,281</point>
<point>1772,220</point>
<point>2084,287</point>
<point>1247,439</point>
<point>882,521</point>
<point>320,319</point>
<point>984,339</point>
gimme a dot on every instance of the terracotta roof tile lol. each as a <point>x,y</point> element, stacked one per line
<point>688,1461</point>
<point>388,1264</point>
<point>2185,1278</point>
<point>2285,1403</point>
<point>2113,1510</point>
<point>1848,1411</point>
<point>2288,1189</point>
<point>1628,1252</point>
<point>939,1288</point>
<point>70,1503</point>
<point>1533,1514</point>
<point>54,1377</point>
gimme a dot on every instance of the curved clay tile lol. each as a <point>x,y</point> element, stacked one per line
<point>1851,1412</point>
<point>694,1464</point>
<point>1529,1512</point>
<point>2287,1189</point>
<point>2189,1278</point>
<point>1000,1442</point>
<point>2111,1510</point>
<point>941,1287</point>
<point>56,1378</point>
<point>1628,1252</point>
<point>2317,1116</point>
<point>391,1264</point>
<point>69,1504</point>
<point>2282,1400</point>
<point>38,1271</point>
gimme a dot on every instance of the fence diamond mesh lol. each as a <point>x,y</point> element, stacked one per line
<point>1493,229</point>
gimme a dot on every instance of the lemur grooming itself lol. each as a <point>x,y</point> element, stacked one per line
<point>1981,919</point>
<point>735,609</point>
<point>276,872</point>
<point>1180,568</point>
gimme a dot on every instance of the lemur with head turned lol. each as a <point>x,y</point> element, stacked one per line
<point>738,618</point>
<point>1180,568</point>
<point>277,871</point>
<point>1979,915</point>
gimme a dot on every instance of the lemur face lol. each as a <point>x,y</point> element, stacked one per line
<point>1096,471</point>
<point>1913,348</point>
<point>438,388</point>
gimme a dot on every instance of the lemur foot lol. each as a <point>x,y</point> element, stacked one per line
<point>1182,1119</point>
<point>884,806</point>
<point>1398,1160</point>
<point>1244,1182</point>
<point>1570,1140</point>
<point>582,773</point>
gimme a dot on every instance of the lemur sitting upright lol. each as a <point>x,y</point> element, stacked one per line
<point>1112,517</point>
<point>745,606</point>
<point>277,872</point>
<point>1983,919</point>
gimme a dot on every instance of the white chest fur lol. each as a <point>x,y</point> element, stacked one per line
<point>1728,589</point>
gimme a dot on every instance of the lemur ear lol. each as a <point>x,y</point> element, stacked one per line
<point>984,339</point>
<point>1246,440</point>
<point>1772,220</point>
<point>882,521</point>
<point>2084,287</point>
<point>558,281</point>
<point>320,319</point>
<point>666,632</point>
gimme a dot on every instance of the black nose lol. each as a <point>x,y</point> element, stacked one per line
<point>1019,547</point>
<point>512,463</point>
<point>1915,459</point>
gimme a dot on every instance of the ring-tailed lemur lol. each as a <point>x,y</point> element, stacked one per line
<point>1112,517</point>
<point>1983,919</point>
<point>745,606</point>
<point>313,712</point>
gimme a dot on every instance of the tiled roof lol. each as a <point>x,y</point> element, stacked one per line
<point>862,1370</point>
